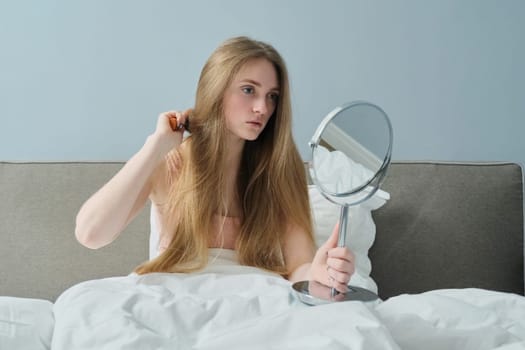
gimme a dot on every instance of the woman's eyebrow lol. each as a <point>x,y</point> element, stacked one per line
<point>256,83</point>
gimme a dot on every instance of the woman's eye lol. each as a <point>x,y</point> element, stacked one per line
<point>274,97</point>
<point>247,90</point>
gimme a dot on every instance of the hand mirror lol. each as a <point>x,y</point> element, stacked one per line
<point>351,151</point>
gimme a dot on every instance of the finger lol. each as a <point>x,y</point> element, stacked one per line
<point>167,115</point>
<point>184,120</point>
<point>338,276</point>
<point>340,265</point>
<point>170,113</point>
<point>340,287</point>
<point>332,240</point>
<point>341,253</point>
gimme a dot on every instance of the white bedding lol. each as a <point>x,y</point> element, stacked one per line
<point>25,323</point>
<point>228,306</point>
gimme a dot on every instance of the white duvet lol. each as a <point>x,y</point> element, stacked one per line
<point>233,307</point>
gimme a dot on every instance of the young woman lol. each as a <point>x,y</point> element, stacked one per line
<point>237,182</point>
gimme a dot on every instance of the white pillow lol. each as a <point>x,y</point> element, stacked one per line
<point>360,232</point>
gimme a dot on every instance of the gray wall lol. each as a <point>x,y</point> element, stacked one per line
<point>85,80</point>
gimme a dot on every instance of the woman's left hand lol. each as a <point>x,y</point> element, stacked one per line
<point>332,265</point>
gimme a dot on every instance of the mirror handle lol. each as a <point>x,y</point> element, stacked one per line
<point>343,224</point>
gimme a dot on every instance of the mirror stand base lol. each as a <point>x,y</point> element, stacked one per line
<point>315,293</point>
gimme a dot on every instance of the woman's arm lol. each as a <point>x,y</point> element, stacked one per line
<point>107,212</point>
<point>330,265</point>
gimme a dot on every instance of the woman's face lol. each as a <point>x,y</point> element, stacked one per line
<point>251,99</point>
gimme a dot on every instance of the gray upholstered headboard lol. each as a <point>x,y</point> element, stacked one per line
<point>39,254</point>
<point>450,225</point>
<point>445,226</point>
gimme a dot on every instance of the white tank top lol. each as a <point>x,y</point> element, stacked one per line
<point>229,226</point>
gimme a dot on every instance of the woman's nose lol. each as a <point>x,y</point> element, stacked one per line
<point>260,107</point>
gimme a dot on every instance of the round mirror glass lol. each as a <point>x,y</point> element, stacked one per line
<point>351,151</point>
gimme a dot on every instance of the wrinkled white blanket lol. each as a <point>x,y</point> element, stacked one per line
<point>236,307</point>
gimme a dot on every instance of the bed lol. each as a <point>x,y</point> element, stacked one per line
<point>441,244</point>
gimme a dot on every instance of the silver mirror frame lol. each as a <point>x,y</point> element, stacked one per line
<point>378,177</point>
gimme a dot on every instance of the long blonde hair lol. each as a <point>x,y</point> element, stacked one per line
<point>271,184</point>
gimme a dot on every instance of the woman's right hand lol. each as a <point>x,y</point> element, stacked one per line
<point>166,135</point>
